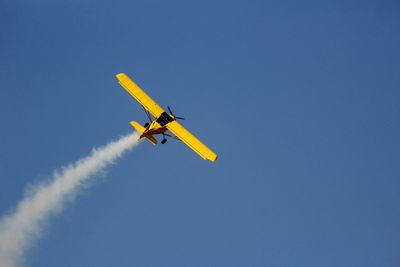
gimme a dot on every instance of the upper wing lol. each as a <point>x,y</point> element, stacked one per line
<point>139,95</point>
<point>191,141</point>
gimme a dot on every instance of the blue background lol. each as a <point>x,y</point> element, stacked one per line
<point>300,99</point>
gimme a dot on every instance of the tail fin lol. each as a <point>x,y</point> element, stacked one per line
<point>139,128</point>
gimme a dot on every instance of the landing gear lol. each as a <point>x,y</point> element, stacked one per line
<point>146,125</point>
<point>164,139</point>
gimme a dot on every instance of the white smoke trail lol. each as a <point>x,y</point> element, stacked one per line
<point>19,229</point>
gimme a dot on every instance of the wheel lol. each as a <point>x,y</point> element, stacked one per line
<point>146,125</point>
<point>163,141</point>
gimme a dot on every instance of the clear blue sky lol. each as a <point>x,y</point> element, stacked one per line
<point>300,99</point>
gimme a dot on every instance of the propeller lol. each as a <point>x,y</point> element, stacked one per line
<point>175,117</point>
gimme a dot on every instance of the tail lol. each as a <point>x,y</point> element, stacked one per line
<point>139,128</point>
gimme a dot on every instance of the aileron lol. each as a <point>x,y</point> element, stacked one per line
<point>191,141</point>
<point>139,95</point>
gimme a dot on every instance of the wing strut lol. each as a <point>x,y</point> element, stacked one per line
<point>148,114</point>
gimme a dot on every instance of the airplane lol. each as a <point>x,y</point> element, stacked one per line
<point>162,121</point>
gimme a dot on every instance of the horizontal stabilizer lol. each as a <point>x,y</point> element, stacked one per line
<point>151,139</point>
<point>139,128</point>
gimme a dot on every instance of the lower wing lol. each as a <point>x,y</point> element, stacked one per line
<point>191,141</point>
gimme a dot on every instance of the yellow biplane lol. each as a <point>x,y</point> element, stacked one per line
<point>162,121</point>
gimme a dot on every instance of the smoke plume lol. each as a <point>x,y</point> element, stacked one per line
<point>23,226</point>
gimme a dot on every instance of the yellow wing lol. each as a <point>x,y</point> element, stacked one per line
<point>191,141</point>
<point>139,95</point>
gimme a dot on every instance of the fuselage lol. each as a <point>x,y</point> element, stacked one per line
<point>158,126</point>
<point>154,128</point>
